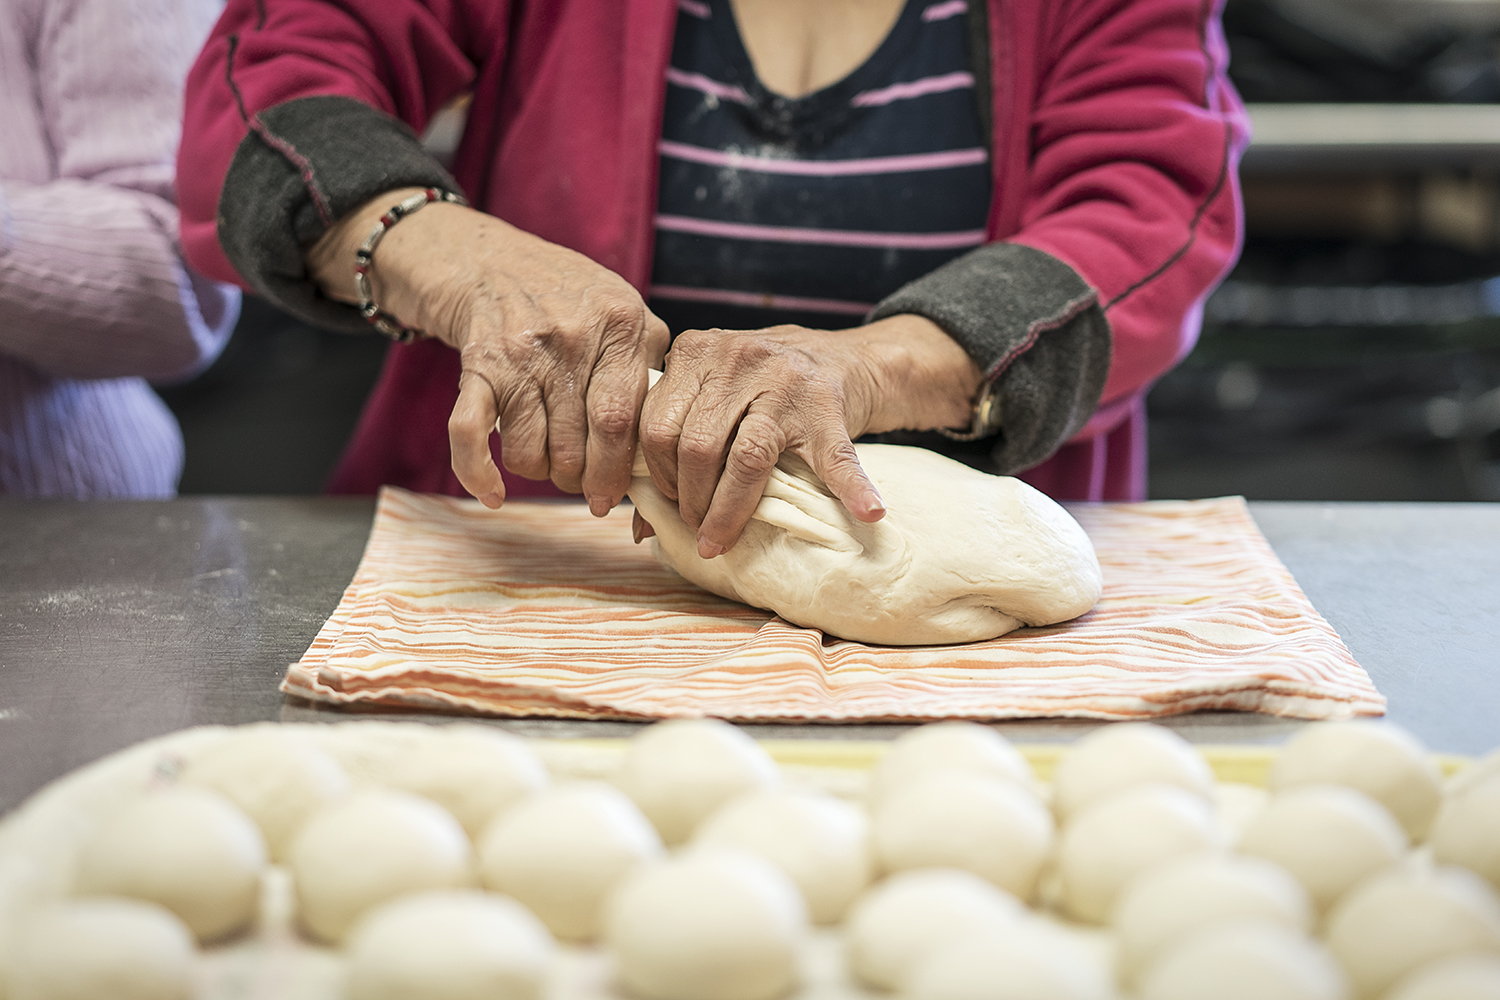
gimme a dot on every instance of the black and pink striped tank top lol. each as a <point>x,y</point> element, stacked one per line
<point>810,210</point>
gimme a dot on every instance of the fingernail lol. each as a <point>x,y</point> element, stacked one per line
<point>708,550</point>
<point>492,500</point>
<point>599,507</point>
<point>873,502</point>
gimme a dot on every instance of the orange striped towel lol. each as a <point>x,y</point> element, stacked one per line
<point>542,609</point>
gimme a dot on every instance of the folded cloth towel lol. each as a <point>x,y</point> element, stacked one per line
<point>542,609</point>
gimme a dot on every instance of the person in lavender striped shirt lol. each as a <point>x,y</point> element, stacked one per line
<point>94,295</point>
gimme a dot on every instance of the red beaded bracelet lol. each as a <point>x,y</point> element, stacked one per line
<point>365,255</point>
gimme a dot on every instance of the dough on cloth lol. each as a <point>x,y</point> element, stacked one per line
<point>102,949</point>
<point>189,849</point>
<point>711,924</point>
<point>455,944</point>
<point>960,556</point>
<point>561,852</point>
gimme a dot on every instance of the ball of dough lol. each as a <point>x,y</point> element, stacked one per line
<point>188,849</point>
<point>994,828</point>
<point>1247,960</point>
<point>277,776</point>
<point>1172,902</point>
<point>1124,836</point>
<point>907,917</point>
<point>561,852</point>
<point>1483,769</point>
<point>474,772</point>
<point>1379,758</point>
<point>455,944</point>
<point>1467,830</point>
<point>1123,755</point>
<point>1464,977</point>
<point>1029,960</point>
<point>682,770</point>
<point>1329,837</point>
<point>960,556</point>
<point>1396,922</point>
<point>821,842</point>
<point>369,847</point>
<point>92,949</point>
<point>712,924</point>
<point>948,746</point>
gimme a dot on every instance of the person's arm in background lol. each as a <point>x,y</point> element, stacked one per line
<point>92,282</point>
<point>1128,216</point>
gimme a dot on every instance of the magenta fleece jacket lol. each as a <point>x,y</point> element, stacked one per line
<point>1115,140</point>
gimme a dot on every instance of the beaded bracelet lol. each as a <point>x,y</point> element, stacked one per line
<point>365,255</point>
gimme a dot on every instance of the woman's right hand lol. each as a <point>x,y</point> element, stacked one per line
<point>554,346</point>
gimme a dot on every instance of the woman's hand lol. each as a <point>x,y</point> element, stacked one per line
<point>731,402</point>
<point>553,346</point>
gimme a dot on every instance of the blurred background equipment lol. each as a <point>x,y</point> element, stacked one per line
<point>1354,353</point>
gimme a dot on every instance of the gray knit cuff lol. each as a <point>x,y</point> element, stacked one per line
<point>1034,327</point>
<point>303,165</point>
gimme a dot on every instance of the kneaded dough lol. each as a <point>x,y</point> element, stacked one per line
<point>1124,836</point>
<point>711,924</point>
<point>279,778</point>
<point>960,556</point>
<point>369,847</point>
<point>1245,960</point>
<point>1122,755</point>
<point>681,770</point>
<point>948,745</point>
<point>93,949</point>
<point>1328,836</point>
<point>1378,758</point>
<point>189,849</point>
<point>456,944</point>
<point>560,854</point>
<point>1464,977</point>
<point>907,917</point>
<point>1467,829</point>
<point>993,827</point>
<point>1029,960</point>
<point>1395,923</point>
<point>474,772</point>
<point>821,842</point>
<point>1173,902</point>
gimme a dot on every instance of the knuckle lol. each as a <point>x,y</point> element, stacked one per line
<point>753,456</point>
<point>611,420</point>
<point>697,448</point>
<point>658,435</point>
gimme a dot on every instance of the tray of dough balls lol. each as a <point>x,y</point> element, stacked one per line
<point>383,861</point>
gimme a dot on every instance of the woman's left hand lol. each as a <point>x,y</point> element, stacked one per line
<point>731,402</point>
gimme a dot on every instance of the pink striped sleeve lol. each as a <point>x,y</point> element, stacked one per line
<point>92,283</point>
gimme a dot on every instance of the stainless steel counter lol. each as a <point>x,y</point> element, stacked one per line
<point>122,621</point>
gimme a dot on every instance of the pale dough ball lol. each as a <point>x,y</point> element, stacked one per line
<point>994,828</point>
<point>1329,837</point>
<point>821,842</point>
<point>1467,829</point>
<point>561,852</point>
<point>680,771</point>
<point>474,772</point>
<point>278,777</point>
<point>1248,960</point>
<point>1396,922</point>
<point>103,949</point>
<point>907,917</point>
<point>1379,758</point>
<point>712,924</point>
<point>189,849</point>
<point>948,746</point>
<point>1120,756</point>
<point>1483,769</point>
<point>369,847</point>
<point>1027,961</point>
<point>455,944</point>
<point>1172,902</point>
<point>1124,836</point>
<point>1464,977</point>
